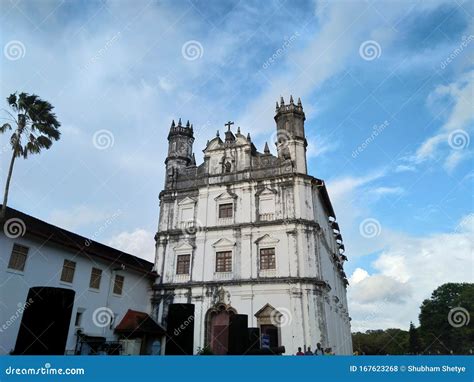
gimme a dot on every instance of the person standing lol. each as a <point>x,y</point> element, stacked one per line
<point>299,352</point>
<point>319,349</point>
<point>308,352</point>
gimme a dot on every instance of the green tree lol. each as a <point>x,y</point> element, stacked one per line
<point>376,342</point>
<point>34,127</point>
<point>414,343</point>
<point>446,319</point>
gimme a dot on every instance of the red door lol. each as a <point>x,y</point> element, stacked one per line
<point>220,333</point>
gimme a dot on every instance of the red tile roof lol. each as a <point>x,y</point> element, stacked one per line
<point>138,323</point>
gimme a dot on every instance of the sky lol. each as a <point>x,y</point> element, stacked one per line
<point>387,88</point>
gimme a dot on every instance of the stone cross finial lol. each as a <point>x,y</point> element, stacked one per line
<point>228,124</point>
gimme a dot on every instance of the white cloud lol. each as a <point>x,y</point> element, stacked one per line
<point>388,190</point>
<point>378,288</point>
<point>407,271</point>
<point>405,168</point>
<point>140,243</point>
<point>459,117</point>
<point>318,145</point>
<point>358,275</point>
<point>466,224</point>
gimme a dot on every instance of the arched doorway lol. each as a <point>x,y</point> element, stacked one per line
<point>217,328</point>
<point>268,320</point>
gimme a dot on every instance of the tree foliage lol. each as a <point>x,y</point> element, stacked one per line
<point>446,319</point>
<point>446,327</point>
<point>34,127</point>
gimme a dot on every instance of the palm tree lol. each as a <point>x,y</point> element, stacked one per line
<point>34,128</point>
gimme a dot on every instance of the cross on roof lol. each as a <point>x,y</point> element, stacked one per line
<point>228,124</point>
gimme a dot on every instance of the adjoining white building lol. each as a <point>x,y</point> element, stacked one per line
<point>61,293</point>
<point>251,233</point>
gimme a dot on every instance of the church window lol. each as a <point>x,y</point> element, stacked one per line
<point>96,275</point>
<point>224,261</point>
<point>118,284</point>
<point>266,205</point>
<point>187,214</point>
<point>69,268</point>
<point>225,210</point>
<point>182,264</point>
<point>18,257</point>
<point>267,258</point>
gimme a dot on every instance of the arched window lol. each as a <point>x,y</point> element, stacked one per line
<point>227,167</point>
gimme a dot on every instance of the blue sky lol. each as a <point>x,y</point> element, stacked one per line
<point>403,69</point>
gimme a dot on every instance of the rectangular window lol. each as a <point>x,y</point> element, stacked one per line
<point>118,284</point>
<point>18,257</point>
<point>78,320</point>
<point>182,265</point>
<point>69,267</point>
<point>96,275</point>
<point>225,210</point>
<point>224,261</point>
<point>267,258</point>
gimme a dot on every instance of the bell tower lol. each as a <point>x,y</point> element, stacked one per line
<point>180,150</point>
<point>291,140</point>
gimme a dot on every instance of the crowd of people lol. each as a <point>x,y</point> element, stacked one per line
<point>318,351</point>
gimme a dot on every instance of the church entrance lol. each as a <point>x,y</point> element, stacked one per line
<point>268,320</point>
<point>270,333</point>
<point>218,328</point>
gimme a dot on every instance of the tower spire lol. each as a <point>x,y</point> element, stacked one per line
<point>290,124</point>
<point>266,150</point>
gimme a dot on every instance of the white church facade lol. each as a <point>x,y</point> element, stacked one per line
<point>251,233</point>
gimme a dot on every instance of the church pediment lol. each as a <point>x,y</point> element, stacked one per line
<point>215,144</point>
<point>185,246</point>
<point>223,243</point>
<point>187,201</point>
<point>267,311</point>
<point>266,239</point>
<point>266,191</point>
<point>226,195</point>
